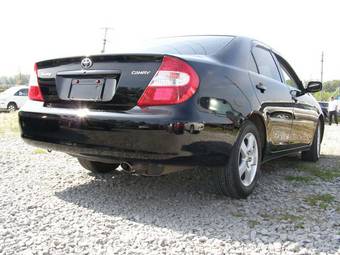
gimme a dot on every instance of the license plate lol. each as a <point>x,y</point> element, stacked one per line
<point>92,89</point>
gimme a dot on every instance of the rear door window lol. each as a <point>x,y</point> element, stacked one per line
<point>252,65</point>
<point>265,63</point>
<point>22,92</point>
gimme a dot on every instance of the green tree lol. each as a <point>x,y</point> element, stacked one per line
<point>331,86</point>
<point>322,95</point>
<point>18,79</point>
<point>329,89</point>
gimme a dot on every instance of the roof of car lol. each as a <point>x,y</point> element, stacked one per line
<point>15,88</point>
<point>18,87</point>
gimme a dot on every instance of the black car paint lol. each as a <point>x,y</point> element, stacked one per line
<point>324,108</point>
<point>128,87</point>
<point>120,131</point>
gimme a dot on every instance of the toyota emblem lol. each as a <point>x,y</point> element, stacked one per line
<point>86,63</point>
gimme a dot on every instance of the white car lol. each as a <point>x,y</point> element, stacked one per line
<point>13,98</point>
<point>194,127</point>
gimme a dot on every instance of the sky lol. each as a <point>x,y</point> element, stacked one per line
<point>300,30</point>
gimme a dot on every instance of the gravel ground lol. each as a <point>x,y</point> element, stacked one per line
<point>50,205</point>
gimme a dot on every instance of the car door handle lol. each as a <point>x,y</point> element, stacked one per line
<point>261,87</point>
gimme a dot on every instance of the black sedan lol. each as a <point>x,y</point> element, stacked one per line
<point>225,102</point>
<point>324,108</point>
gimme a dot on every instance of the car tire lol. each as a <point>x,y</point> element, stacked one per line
<point>313,154</point>
<point>239,177</point>
<point>12,107</point>
<point>97,167</point>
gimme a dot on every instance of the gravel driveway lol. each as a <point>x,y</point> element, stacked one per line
<point>50,205</point>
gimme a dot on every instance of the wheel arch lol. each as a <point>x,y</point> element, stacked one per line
<point>12,102</point>
<point>259,122</point>
<point>322,123</point>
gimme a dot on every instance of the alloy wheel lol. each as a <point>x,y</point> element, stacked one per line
<point>248,159</point>
<point>11,108</point>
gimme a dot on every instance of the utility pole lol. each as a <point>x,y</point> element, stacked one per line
<point>321,78</point>
<point>106,29</point>
<point>322,67</point>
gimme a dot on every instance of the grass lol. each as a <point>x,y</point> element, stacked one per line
<point>338,209</point>
<point>39,151</point>
<point>312,170</point>
<point>299,225</point>
<point>317,171</point>
<point>296,220</point>
<point>9,124</point>
<point>237,214</point>
<point>290,217</point>
<point>267,216</point>
<point>304,179</point>
<point>253,223</point>
<point>321,200</point>
<point>324,174</point>
<point>327,175</point>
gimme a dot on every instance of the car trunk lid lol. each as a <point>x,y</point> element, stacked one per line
<point>108,82</point>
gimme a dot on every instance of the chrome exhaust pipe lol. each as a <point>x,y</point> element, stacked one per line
<point>127,167</point>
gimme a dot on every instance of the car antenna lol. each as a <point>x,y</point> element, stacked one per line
<point>106,29</point>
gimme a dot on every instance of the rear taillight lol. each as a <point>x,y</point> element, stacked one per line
<point>175,82</point>
<point>34,92</point>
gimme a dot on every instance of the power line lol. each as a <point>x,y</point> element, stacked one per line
<point>106,29</point>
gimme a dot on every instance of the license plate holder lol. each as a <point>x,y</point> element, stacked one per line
<point>88,89</point>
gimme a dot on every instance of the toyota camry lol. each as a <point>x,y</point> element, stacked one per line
<point>226,103</point>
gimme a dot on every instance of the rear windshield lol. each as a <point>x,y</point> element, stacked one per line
<point>186,45</point>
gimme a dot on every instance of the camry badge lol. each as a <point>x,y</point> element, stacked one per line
<point>86,63</point>
<point>140,72</point>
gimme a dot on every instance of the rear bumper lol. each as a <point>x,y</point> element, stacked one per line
<point>158,136</point>
<point>3,106</point>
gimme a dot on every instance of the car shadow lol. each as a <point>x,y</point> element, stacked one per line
<point>185,202</point>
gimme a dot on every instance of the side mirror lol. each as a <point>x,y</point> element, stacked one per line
<point>313,86</point>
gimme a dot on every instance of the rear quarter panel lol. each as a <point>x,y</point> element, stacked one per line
<point>224,99</point>
<point>224,82</point>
